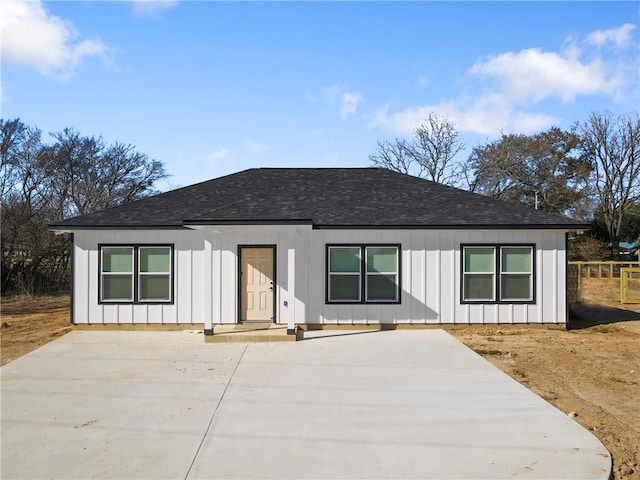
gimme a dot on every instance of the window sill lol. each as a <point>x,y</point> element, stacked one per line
<point>498,302</point>
<point>382,302</point>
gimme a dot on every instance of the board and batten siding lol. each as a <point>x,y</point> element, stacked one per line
<point>431,278</point>
<point>206,276</point>
<point>190,278</point>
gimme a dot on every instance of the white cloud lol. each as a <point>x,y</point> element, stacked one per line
<point>151,8</point>
<point>503,90</point>
<point>531,122</point>
<point>346,103</point>
<point>256,147</point>
<point>532,75</point>
<point>217,156</point>
<point>349,102</point>
<point>620,36</point>
<point>486,115</point>
<point>33,38</point>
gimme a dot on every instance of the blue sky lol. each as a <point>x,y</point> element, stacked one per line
<point>211,88</point>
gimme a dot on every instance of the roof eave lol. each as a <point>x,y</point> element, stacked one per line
<point>188,224</point>
<point>58,228</point>
<point>575,226</point>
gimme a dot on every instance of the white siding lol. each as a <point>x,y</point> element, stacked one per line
<point>206,276</point>
<point>431,278</point>
<point>189,272</point>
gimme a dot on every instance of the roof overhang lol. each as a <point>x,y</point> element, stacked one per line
<point>568,227</point>
<point>60,229</point>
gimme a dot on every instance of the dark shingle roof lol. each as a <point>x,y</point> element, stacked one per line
<point>322,197</point>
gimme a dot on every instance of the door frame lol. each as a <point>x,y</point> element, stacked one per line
<point>273,248</point>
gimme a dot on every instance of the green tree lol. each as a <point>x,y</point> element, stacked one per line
<point>545,170</point>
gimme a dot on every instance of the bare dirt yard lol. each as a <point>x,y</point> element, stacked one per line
<point>590,371</point>
<point>27,323</point>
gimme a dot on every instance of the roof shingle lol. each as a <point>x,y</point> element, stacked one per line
<point>324,198</point>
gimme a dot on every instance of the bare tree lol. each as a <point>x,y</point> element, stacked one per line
<point>437,143</point>
<point>613,146</point>
<point>44,183</point>
<point>429,154</point>
<point>395,156</point>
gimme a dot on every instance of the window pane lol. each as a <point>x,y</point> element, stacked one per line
<point>381,287</point>
<point>382,259</point>
<point>344,259</point>
<point>478,287</point>
<point>155,259</point>
<point>117,259</point>
<point>516,259</point>
<point>479,259</point>
<point>117,287</point>
<point>154,287</point>
<point>515,287</point>
<point>344,287</point>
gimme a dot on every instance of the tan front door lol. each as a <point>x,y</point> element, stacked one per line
<point>256,270</point>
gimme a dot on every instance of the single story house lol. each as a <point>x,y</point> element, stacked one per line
<point>319,246</point>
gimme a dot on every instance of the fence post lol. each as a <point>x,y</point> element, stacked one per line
<point>579,282</point>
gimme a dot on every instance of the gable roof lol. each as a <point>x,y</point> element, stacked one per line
<point>323,198</point>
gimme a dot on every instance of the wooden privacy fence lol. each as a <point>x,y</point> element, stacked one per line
<point>629,282</point>
<point>630,285</point>
<point>601,269</point>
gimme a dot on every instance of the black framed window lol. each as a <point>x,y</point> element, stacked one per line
<point>117,273</point>
<point>363,274</point>
<point>135,274</point>
<point>498,273</point>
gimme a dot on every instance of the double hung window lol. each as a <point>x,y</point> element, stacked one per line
<point>117,273</point>
<point>136,274</point>
<point>363,274</point>
<point>498,273</point>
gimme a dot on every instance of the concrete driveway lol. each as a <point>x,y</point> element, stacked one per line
<point>392,404</point>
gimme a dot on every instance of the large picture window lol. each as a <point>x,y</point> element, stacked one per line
<point>498,273</point>
<point>136,274</point>
<point>363,274</point>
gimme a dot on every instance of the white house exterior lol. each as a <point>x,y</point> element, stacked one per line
<point>308,272</point>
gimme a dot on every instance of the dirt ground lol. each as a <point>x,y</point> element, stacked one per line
<point>27,323</point>
<point>590,371</point>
